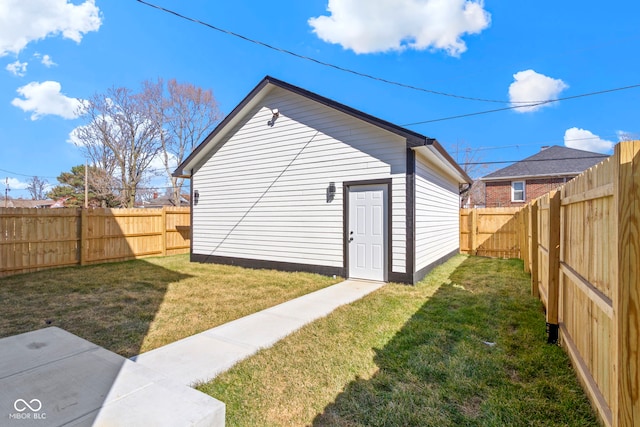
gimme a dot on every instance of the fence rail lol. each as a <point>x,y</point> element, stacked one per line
<point>37,239</point>
<point>581,244</point>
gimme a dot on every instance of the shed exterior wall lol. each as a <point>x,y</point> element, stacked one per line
<point>263,194</point>
<point>437,214</point>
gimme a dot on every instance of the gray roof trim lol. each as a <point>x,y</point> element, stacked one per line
<point>413,139</point>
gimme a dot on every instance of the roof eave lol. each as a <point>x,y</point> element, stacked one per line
<point>438,153</point>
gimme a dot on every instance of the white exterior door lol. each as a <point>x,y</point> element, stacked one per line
<point>367,233</point>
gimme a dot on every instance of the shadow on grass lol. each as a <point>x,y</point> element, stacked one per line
<point>111,305</point>
<point>68,380</point>
<point>473,354</point>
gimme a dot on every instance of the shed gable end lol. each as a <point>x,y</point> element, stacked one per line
<point>265,191</point>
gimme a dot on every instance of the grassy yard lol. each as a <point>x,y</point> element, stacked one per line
<point>466,347</point>
<point>135,306</point>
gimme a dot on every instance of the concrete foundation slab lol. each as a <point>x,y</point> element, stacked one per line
<point>51,377</point>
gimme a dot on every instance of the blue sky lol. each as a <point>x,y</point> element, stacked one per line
<point>56,52</point>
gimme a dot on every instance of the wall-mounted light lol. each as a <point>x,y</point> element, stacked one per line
<point>274,117</point>
<point>331,192</point>
<point>196,197</point>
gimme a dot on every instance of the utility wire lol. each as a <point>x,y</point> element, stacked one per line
<point>497,147</point>
<point>535,104</point>
<point>323,63</point>
<point>603,156</point>
<point>522,104</point>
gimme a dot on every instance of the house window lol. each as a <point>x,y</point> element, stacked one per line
<point>517,191</point>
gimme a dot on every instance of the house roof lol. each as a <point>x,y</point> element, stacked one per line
<point>416,141</point>
<point>552,161</point>
<point>165,200</point>
<point>26,203</point>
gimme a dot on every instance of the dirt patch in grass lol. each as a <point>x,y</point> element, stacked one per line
<point>135,306</point>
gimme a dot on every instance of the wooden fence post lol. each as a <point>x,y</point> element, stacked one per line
<point>473,221</point>
<point>626,293</point>
<point>533,219</point>
<point>524,237</point>
<point>554,266</point>
<point>84,237</point>
<point>164,230</point>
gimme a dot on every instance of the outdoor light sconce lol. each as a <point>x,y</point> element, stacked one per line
<point>331,192</point>
<point>196,197</point>
<point>275,116</point>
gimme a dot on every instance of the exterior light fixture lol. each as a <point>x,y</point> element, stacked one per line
<point>196,197</point>
<point>331,192</point>
<point>275,116</point>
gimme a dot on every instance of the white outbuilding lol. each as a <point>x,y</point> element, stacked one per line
<point>294,181</point>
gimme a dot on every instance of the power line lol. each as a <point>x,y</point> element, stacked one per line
<point>535,104</point>
<point>323,63</point>
<point>528,144</point>
<point>22,174</point>
<point>602,156</point>
<point>523,104</point>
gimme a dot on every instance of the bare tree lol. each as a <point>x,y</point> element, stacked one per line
<point>37,188</point>
<point>186,114</point>
<point>469,159</point>
<point>627,136</point>
<point>121,138</point>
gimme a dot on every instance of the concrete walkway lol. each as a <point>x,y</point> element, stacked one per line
<point>201,357</point>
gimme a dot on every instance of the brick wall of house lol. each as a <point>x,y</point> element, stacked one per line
<point>498,194</point>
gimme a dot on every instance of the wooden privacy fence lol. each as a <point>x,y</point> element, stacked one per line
<point>584,258</point>
<point>493,232</point>
<point>581,244</point>
<point>36,239</point>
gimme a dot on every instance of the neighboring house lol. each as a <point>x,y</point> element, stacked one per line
<point>536,175</point>
<point>25,203</point>
<point>294,181</point>
<point>166,200</point>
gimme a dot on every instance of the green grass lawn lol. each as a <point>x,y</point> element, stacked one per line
<point>465,347</point>
<point>135,306</point>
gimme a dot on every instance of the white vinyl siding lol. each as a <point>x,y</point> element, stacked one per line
<point>437,214</point>
<point>263,193</point>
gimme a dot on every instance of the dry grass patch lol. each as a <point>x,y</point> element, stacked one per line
<point>135,306</point>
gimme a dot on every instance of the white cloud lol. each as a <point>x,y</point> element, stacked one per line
<point>24,21</point>
<point>15,184</point>
<point>45,98</point>
<point>582,139</point>
<point>530,87</point>
<point>45,59</point>
<point>17,68</point>
<point>368,26</point>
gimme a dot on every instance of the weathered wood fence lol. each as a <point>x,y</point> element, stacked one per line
<point>581,244</point>
<point>37,239</point>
